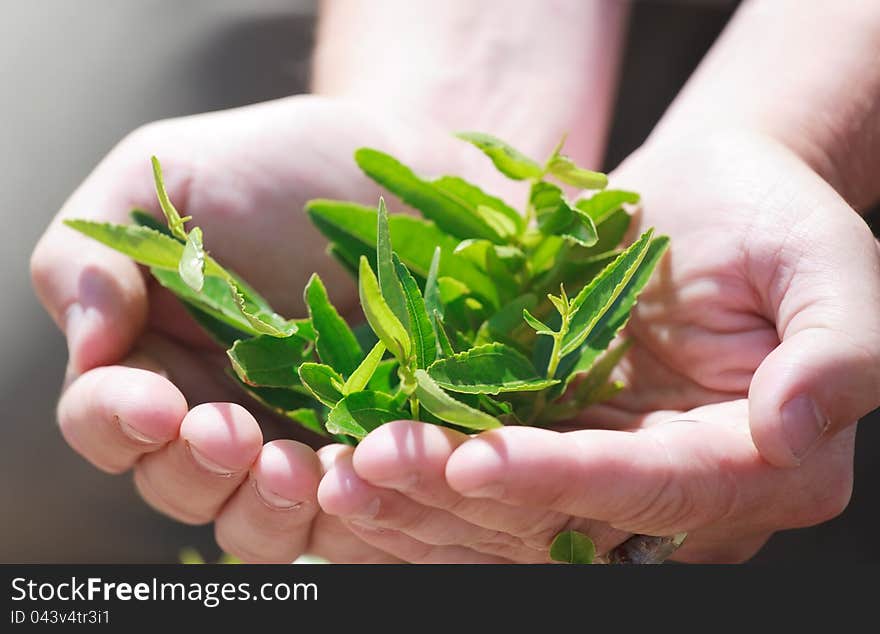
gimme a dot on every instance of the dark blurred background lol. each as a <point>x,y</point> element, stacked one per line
<point>76,77</point>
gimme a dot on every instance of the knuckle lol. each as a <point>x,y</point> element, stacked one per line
<point>664,510</point>
<point>684,501</point>
<point>542,533</point>
<point>831,500</point>
<point>250,551</point>
<point>169,505</point>
<point>399,519</point>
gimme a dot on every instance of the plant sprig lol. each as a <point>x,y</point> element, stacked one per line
<point>464,325</point>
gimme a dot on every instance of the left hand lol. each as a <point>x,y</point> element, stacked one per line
<point>756,348</point>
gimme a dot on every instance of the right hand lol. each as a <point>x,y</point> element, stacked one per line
<point>134,353</point>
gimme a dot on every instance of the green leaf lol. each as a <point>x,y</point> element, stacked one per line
<point>390,285</point>
<point>432,292</point>
<point>146,219</point>
<point>364,372</point>
<point>485,255</point>
<point>444,345</point>
<point>278,399</point>
<point>596,298</point>
<point>539,326</point>
<point>509,161</point>
<point>214,301</point>
<point>546,254</point>
<point>323,381</point>
<point>449,212</point>
<point>142,244</point>
<point>450,290</point>
<point>221,332</point>
<point>308,419</point>
<point>175,222</point>
<point>488,369</point>
<point>385,378</point>
<point>611,229</point>
<point>290,403</point>
<point>380,316</point>
<point>594,383</point>
<point>432,397</point>
<point>473,197</point>
<point>268,361</point>
<point>336,344</point>
<point>501,224</point>
<point>340,221</point>
<point>552,210</point>
<point>583,230</point>
<point>304,329</point>
<point>192,261</point>
<point>563,168</point>
<point>615,318</point>
<point>361,412</point>
<point>261,321</point>
<point>557,216</point>
<point>422,332</point>
<point>506,325</point>
<point>602,204</point>
<point>347,259</point>
<point>572,547</point>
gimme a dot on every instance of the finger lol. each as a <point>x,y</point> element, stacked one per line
<point>720,550</point>
<point>114,415</point>
<point>192,477</point>
<point>825,374</point>
<point>672,477</point>
<point>413,551</point>
<point>269,517</point>
<point>97,296</point>
<point>410,457</point>
<point>343,494</point>
<point>334,541</point>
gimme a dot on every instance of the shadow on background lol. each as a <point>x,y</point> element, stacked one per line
<point>78,76</point>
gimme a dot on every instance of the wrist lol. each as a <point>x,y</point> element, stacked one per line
<point>807,77</point>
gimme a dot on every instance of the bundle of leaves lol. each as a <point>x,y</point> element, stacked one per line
<point>477,315</point>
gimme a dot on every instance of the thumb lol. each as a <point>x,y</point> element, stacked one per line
<point>97,296</point>
<point>825,374</point>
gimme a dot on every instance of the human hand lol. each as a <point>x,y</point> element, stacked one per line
<point>767,295</point>
<point>134,352</point>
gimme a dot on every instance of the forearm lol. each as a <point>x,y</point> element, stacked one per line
<point>806,73</point>
<point>527,71</point>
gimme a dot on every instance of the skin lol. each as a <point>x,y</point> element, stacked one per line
<point>754,262</point>
<point>765,297</point>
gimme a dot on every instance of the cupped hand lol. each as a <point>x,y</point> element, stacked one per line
<point>244,176</point>
<point>755,349</point>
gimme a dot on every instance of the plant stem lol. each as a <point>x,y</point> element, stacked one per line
<point>645,549</point>
<point>414,407</point>
<point>554,355</point>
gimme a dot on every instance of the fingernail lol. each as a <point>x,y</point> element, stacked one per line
<point>803,424</point>
<point>134,434</point>
<point>485,491</point>
<point>208,465</point>
<point>273,500</point>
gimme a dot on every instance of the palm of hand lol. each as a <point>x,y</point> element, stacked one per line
<point>746,220</point>
<point>753,232</point>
